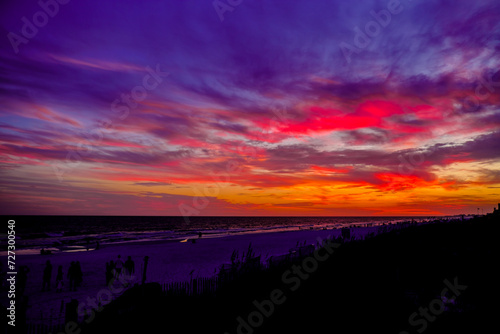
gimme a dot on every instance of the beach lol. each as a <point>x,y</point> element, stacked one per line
<point>366,252</point>
<point>384,283</point>
<point>169,261</point>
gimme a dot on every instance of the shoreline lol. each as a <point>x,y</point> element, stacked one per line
<point>75,243</point>
<point>361,280</point>
<point>169,261</point>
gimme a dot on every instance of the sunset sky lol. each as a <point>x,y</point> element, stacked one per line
<point>246,107</point>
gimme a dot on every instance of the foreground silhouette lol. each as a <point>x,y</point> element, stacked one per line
<point>364,286</point>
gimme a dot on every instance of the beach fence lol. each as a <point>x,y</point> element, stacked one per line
<point>210,285</point>
<point>194,287</point>
<point>203,286</point>
<point>53,320</point>
<point>52,323</point>
<point>251,263</point>
<point>44,328</point>
<point>278,260</point>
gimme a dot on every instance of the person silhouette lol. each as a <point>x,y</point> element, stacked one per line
<point>129,266</point>
<point>78,275</point>
<point>118,266</point>
<point>109,274</point>
<point>112,269</point>
<point>59,279</point>
<point>72,276</point>
<point>47,273</point>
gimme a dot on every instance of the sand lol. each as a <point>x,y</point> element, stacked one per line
<point>168,261</point>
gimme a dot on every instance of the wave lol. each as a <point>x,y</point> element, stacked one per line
<point>121,230</point>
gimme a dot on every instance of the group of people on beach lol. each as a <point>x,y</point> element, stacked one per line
<point>114,269</point>
<point>75,276</point>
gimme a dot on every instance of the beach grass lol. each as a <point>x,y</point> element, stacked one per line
<point>389,283</point>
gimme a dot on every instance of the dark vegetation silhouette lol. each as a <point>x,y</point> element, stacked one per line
<point>372,285</point>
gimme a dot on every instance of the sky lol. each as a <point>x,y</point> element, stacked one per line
<point>246,107</point>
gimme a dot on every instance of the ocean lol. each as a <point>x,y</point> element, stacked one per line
<point>75,233</point>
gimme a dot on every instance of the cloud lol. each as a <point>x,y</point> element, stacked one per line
<point>264,99</point>
<point>151,184</point>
